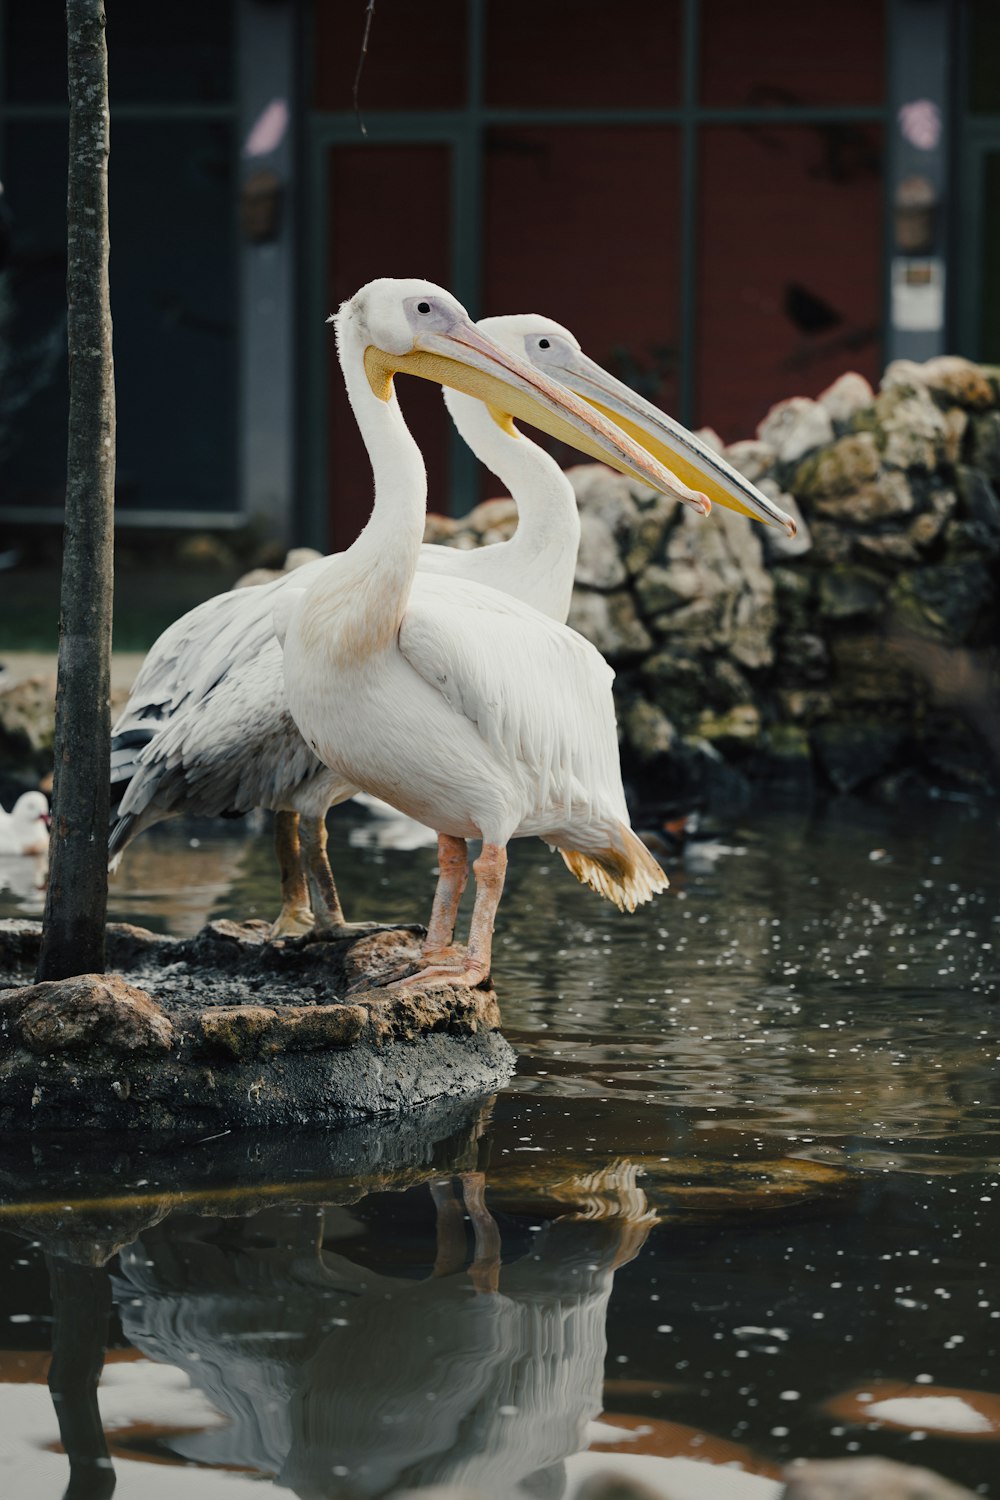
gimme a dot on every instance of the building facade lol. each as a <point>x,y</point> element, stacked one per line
<point>727,203</point>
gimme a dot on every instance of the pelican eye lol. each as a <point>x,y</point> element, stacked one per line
<point>544,344</point>
<point>423,307</point>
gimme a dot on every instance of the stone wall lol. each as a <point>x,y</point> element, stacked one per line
<point>860,654</point>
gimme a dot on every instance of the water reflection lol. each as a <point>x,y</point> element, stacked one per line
<point>794,1054</point>
<point>338,1363</point>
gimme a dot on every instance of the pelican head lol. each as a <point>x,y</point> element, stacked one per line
<point>416,328</point>
<point>31,807</point>
<point>553,350</point>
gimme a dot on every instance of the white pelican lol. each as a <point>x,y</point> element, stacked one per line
<point>25,829</point>
<point>465,708</point>
<point>206,729</point>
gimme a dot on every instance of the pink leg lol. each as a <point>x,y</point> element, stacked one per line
<point>453,872</point>
<point>489,869</point>
<point>484,1272</point>
<point>450,1235</point>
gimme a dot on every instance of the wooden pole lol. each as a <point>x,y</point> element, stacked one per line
<point>76,905</point>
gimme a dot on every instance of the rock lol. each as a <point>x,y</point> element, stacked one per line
<point>379,953</point>
<point>956,425</point>
<point>740,725</point>
<point>710,438</point>
<point>713,590</point>
<point>648,731</point>
<point>926,528</point>
<point>648,536</point>
<point>831,544</point>
<point>612,497</point>
<point>866,1479</point>
<point>250,1031</point>
<point>205,551</point>
<point>794,591</point>
<point>947,599</point>
<point>848,465</point>
<point>910,428</point>
<point>27,722</point>
<point>598,563</point>
<point>849,394</point>
<point>20,944</point>
<point>675,681</point>
<point>493,517</point>
<point>297,557</point>
<point>903,375</point>
<point>239,1031</point>
<point>92,1013</point>
<point>984,447</point>
<point>665,588</point>
<point>804,656</point>
<point>439,529</point>
<point>958,382</point>
<point>868,671</point>
<point>979,500</point>
<point>850,594</point>
<point>890,550</point>
<point>803,705</point>
<point>852,753</point>
<point>610,621</point>
<point>751,458</point>
<point>795,427</point>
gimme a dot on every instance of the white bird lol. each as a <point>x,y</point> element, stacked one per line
<point>25,829</point>
<point>465,708</point>
<point>206,730</point>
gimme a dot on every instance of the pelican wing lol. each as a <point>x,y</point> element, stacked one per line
<point>537,692</point>
<point>205,728</point>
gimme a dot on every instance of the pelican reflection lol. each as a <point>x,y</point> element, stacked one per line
<point>338,1379</point>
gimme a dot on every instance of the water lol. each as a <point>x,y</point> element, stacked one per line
<point>741,1202</point>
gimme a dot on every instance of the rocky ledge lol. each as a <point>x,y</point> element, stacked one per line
<point>860,654</point>
<point>228,1030</point>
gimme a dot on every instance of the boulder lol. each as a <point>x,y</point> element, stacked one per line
<point>599,563</point>
<point>847,593</point>
<point>848,465</point>
<point>93,1013</point>
<point>849,394</point>
<point>946,600</point>
<point>740,725</point>
<point>648,730</point>
<point>984,446</point>
<point>751,458</point>
<point>611,622</point>
<point>853,753</point>
<point>910,428</point>
<point>27,722</point>
<point>979,500</point>
<point>958,382</point>
<point>795,427</point>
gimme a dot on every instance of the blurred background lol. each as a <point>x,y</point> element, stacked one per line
<point>729,204</point>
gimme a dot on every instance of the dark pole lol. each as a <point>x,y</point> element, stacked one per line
<point>76,905</point>
<point>81,1306</point>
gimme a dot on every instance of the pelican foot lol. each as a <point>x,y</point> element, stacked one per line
<point>452,958</point>
<point>292,921</point>
<point>469,972</point>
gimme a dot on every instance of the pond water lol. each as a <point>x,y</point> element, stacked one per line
<point>740,1204</point>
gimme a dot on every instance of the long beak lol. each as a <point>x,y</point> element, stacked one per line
<point>672,444</point>
<point>468,360</point>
